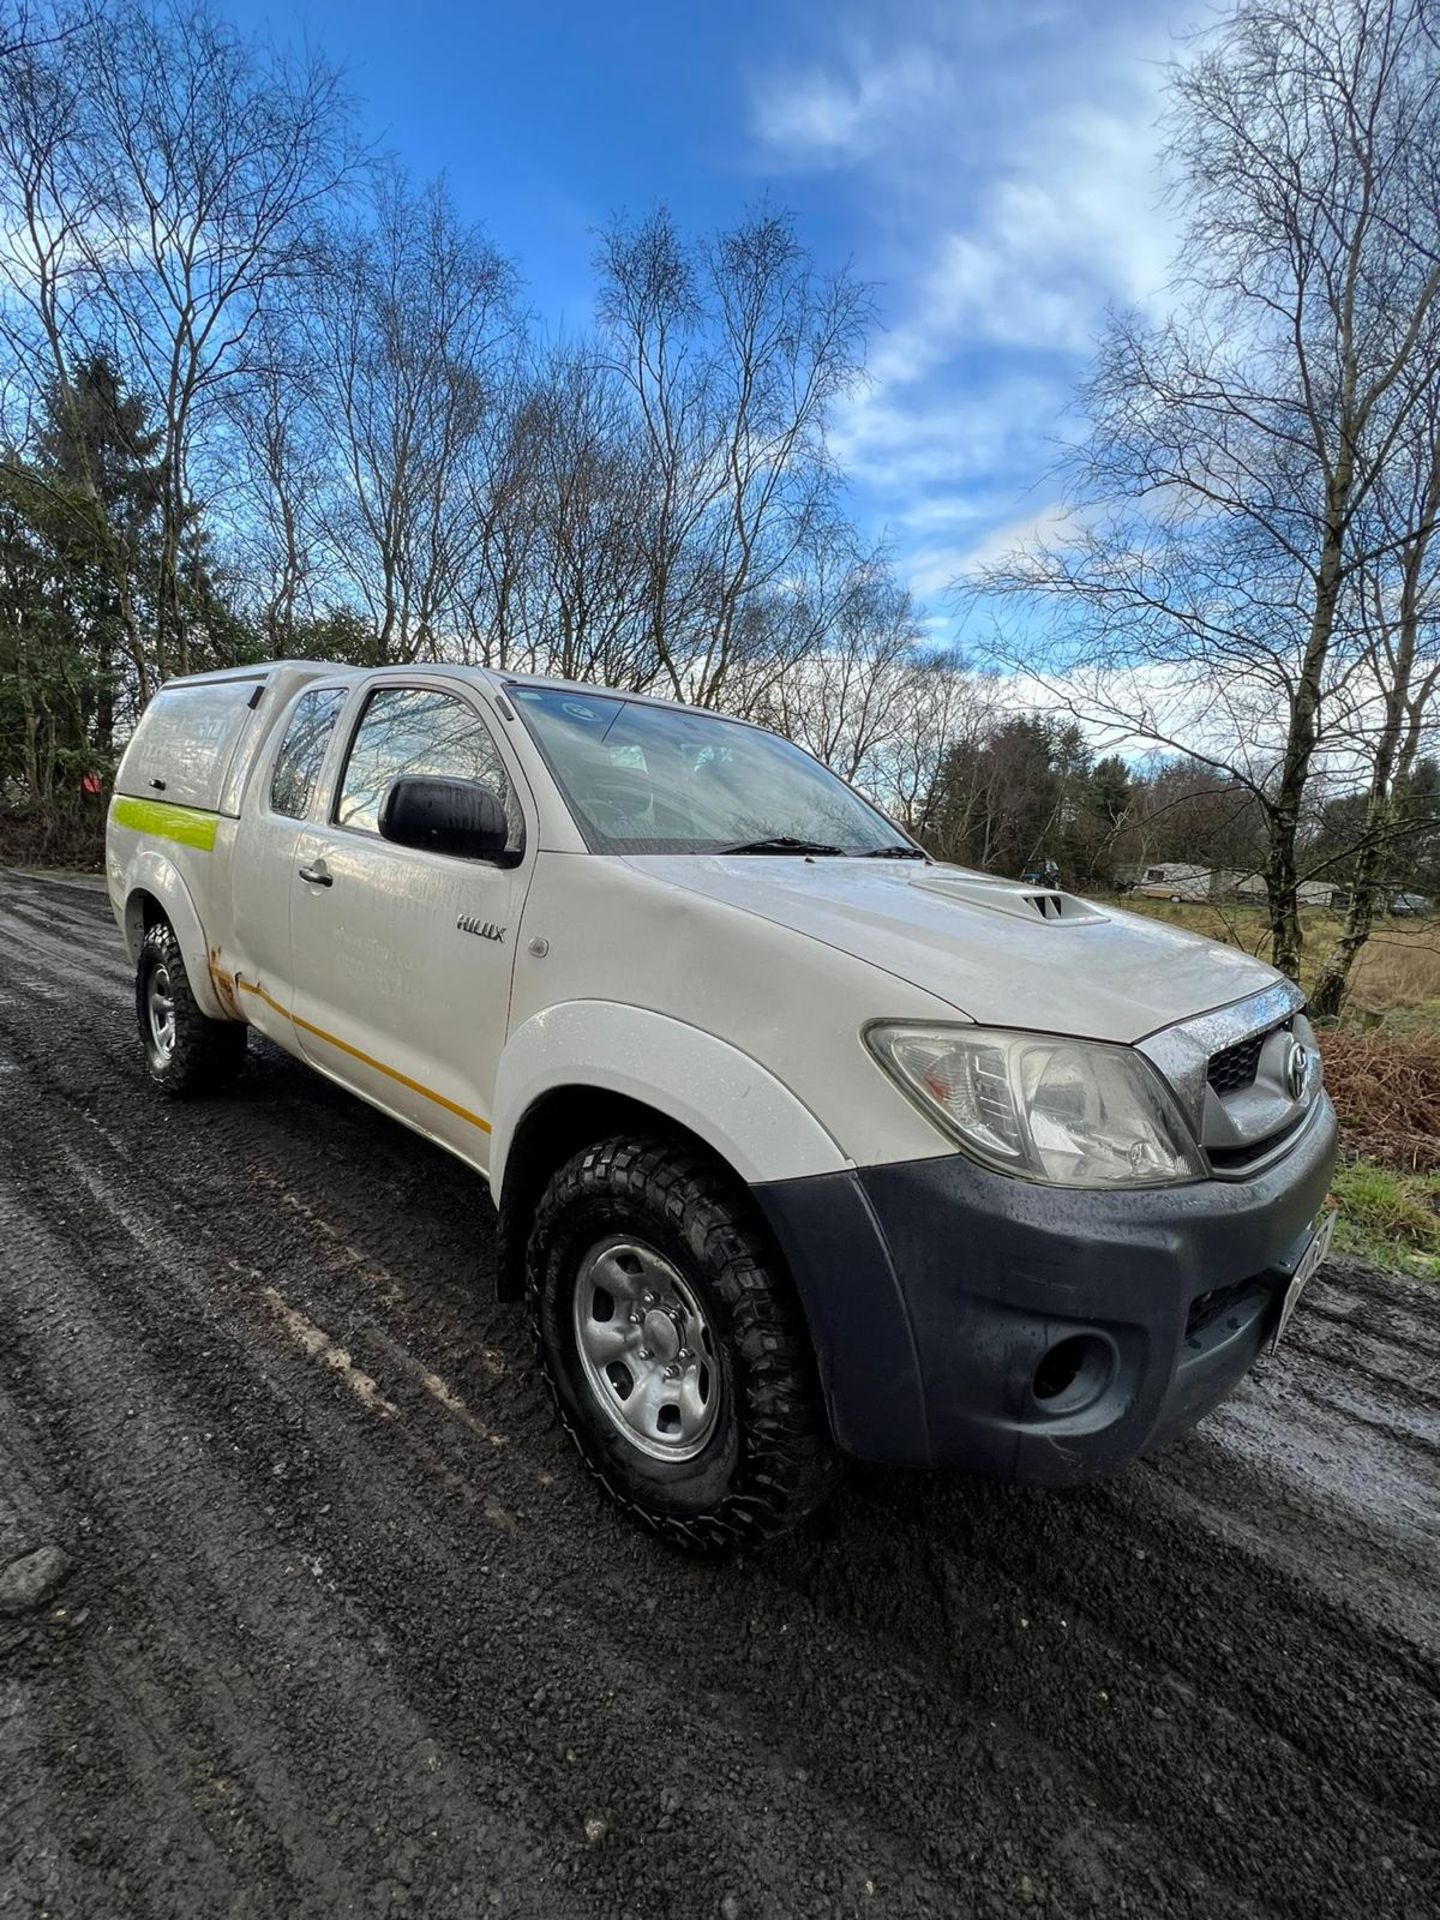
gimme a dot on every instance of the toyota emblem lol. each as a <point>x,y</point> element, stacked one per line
<point>1297,1070</point>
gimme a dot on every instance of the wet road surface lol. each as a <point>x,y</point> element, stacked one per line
<point>348,1632</point>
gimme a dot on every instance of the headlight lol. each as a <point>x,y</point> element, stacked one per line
<point>1072,1113</point>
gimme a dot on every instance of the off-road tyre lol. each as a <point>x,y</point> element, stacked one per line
<point>769,1461</point>
<point>205,1056</point>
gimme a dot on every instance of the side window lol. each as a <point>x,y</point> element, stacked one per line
<point>302,751</point>
<point>420,730</point>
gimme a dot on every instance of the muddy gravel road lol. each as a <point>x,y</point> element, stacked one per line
<point>345,1630</point>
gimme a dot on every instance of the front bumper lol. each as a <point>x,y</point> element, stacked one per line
<point>934,1290</point>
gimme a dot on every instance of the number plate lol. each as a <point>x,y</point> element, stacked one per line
<point>1310,1262</point>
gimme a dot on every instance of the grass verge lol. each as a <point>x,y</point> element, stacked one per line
<point>1389,1218</point>
<point>1398,972</point>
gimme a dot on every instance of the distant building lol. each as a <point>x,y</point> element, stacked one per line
<point>1178,880</point>
<point>1409,906</point>
<point>1309,893</point>
<point>1175,880</point>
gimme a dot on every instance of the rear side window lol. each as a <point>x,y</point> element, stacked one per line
<point>420,730</point>
<point>186,743</point>
<point>302,751</point>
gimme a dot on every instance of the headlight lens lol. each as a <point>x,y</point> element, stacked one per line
<point>1072,1113</point>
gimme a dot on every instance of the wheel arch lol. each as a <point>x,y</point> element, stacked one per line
<point>155,891</point>
<point>556,1125</point>
<point>726,1098</point>
<point>142,910</point>
<point>584,1069</point>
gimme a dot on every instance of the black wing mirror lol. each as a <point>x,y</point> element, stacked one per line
<point>462,817</point>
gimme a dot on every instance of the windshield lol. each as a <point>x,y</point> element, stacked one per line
<point>650,779</point>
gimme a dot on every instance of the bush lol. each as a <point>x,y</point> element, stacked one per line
<point>1386,1089</point>
<point>65,840</point>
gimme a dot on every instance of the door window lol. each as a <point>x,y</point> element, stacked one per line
<point>302,751</point>
<point>419,730</point>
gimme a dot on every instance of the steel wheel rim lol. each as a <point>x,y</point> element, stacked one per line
<point>646,1349</point>
<point>160,1011</point>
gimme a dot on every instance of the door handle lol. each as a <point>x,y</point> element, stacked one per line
<point>317,876</point>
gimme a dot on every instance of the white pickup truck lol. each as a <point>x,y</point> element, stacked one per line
<point>802,1144</point>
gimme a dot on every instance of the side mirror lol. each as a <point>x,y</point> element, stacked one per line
<point>462,817</point>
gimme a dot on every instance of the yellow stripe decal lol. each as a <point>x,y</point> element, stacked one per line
<point>365,1059</point>
<point>188,825</point>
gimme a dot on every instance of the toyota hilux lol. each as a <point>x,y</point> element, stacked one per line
<point>803,1144</point>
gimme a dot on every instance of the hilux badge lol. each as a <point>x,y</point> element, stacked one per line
<point>486,929</point>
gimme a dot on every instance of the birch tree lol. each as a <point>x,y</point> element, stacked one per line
<point>734,353</point>
<point>1223,496</point>
<point>410,309</point>
<point>1398,604</point>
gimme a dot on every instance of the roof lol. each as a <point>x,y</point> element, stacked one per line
<point>260,670</point>
<point>490,676</point>
<point>591,687</point>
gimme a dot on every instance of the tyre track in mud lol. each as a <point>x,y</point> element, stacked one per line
<point>349,1632</point>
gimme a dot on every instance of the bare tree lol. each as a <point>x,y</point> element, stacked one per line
<point>651,316</point>
<point>411,309</point>
<point>841,694</point>
<point>1398,600</point>
<point>1221,498</point>
<point>790,343</point>
<point>215,154</point>
<point>55,188</point>
<point>942,704</point>
<point>281,465</point>
<point>591,498</point>
<point>256,391</point>
<point>497,617</point>
<point>733,353</point>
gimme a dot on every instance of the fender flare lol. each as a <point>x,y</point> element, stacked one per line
<point>721,1095</point>
<point>150,872</point>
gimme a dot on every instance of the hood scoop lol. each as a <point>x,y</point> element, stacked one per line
<point>1008,896</point>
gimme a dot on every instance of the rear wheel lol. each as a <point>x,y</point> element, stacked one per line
<point>186,1052</point>
<point>674,1348</point>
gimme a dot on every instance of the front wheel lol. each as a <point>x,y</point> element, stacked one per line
<point>186,1052</point>
<point>674,1348</point>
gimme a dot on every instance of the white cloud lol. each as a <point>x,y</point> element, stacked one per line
<point>1049,527</point>
<point>900,448</point>
<point>1066,223</point>
<point>930,572</point>
<point>933,567</point>
<point>835,117</point>
<point>945,512</point>
<point>1003,162</point>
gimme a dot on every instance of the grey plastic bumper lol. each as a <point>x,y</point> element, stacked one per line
<point>934,1290</point>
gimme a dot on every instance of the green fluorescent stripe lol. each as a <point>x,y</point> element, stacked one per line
<point>186,824</point>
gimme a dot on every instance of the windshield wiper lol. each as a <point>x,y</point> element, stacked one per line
<point>783,843</point>
<point>901,850</point>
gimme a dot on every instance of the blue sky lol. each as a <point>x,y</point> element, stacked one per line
<point>989,164</point>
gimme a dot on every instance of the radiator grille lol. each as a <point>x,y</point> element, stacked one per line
<point>1234,1068</point>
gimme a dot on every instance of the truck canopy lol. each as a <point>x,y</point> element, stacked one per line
<point>187,749</point>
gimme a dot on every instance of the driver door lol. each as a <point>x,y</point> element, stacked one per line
<point>402,957</point>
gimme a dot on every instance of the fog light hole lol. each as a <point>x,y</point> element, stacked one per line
<point>1073,1372</point>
